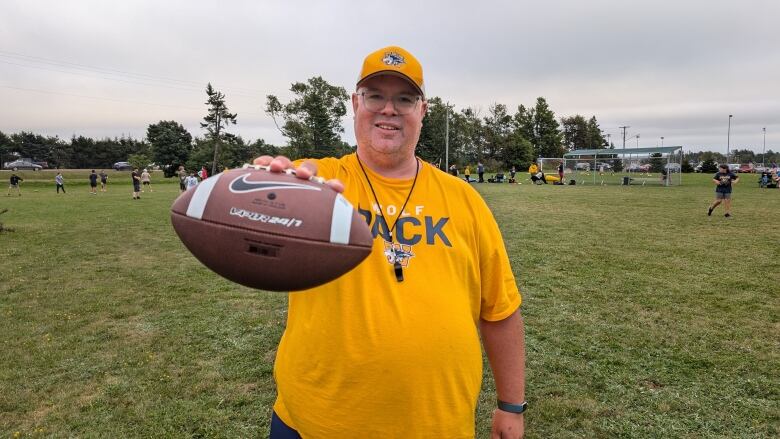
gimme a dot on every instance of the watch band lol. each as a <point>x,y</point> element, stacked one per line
<point>512,408</point>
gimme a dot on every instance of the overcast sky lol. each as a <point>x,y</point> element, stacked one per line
<point>665,68</point>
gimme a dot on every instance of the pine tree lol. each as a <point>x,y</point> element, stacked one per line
<point>217,119</point>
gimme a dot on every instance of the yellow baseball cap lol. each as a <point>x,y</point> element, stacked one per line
<point>393,60</point>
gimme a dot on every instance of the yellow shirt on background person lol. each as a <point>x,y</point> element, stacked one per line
<point>368,356</point>
<point>533,169</point>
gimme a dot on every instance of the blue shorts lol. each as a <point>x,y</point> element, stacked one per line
<point>722,195</point>
<point>280,430</point>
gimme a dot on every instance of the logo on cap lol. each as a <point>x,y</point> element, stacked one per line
<point>393,59</point>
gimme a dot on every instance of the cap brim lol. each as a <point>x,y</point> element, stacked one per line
<point>397,74</point>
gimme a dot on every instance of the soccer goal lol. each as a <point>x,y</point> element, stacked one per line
<point>658,166</point>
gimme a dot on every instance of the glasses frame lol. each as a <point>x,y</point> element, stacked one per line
<point>418,99</point>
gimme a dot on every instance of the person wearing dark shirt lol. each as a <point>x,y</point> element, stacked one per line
<point>103,180</point>
<point>93,178</point>
<point>14,184</point>
<point>560,170</point>
<point>136,184</point>
<point>723,180</point>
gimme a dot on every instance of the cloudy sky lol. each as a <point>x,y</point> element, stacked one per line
<point>675,69</point>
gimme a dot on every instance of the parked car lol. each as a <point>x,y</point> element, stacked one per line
<point>745,168</point>
<point>123,166</point>
<point>672,167</point>
<point>582,166</point>
<point>734,167</point>
<point>602,165</point>
<point>639,168</point>
<point>44,165</point>
<point>21,164</point>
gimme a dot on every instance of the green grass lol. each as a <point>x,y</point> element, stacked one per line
<point>644,317</point>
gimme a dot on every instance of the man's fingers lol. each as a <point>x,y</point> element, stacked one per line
<point>280,163</point>
<point>263,160</point>
<point>336,185</point>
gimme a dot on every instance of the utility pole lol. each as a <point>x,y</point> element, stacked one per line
<point>624,135</point>
<point>447,140</point>
<point>662,141</point>
<point>728,141</point>
<point>763,154</point>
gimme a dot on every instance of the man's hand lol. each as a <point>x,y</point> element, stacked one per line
<point>305,171</point>
<point>507,425</point>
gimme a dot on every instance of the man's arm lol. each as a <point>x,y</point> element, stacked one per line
<point>504,343</point>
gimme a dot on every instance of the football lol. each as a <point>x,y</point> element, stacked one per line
<point>271,231</point>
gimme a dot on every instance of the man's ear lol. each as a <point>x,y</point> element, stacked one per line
<point>354,103</point>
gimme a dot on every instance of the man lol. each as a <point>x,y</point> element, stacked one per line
<point>93,178</point>
<point>14,184</point>
<point>60,181</point>
<point>723,180</point>
<point>103,180</point>
<point>392,348</point>
<point>136,178</point>
<point>560,171</point>
<point>481,172</point>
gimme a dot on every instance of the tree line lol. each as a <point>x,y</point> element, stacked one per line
<point>312,123</point>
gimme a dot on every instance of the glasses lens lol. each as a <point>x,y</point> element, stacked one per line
<point>403,103</point>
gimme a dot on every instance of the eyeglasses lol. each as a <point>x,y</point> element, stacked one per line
<point>403,103</point>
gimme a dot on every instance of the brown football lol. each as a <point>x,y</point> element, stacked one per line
<point>271,231</point>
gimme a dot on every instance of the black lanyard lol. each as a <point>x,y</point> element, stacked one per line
<point>399,271</point>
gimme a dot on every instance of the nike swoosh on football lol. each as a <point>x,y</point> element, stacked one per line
<point>240,185</point>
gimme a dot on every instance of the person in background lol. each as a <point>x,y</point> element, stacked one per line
<point>136,179</point>
<point>14,184</point>
<point>467,173</point>
<point>146,180</point>
<point>481,172</point>
<point>103,180</point>
<point>60,181</point>
<point>192,180</point>
<point>723,180</point>
<point>182,179</point>
<point>93,179</point>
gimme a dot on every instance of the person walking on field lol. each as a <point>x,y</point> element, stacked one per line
<point>391,349</point>
<point>60,181</point>
<point>103,180</point>
<point>182,179</point>
<point>93,179</point>
<point>146,180</point>
<point>724,180</point>
<point>467,173</point>
<point>14,182</point>
<point>481,172</point>
<point>136,178</point>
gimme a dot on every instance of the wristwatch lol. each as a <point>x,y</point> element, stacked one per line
<point>512,408</point>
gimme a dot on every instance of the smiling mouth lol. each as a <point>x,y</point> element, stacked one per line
<point>386,127</point>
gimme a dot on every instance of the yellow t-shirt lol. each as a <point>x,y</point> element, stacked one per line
<point>533,169</point>
<point>368,356</point>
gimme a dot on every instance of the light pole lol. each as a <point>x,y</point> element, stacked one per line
<point>447,141</point>
<point>637,140</point>
<point>763,153</point>
<point>728,141</point>
<point>662,141</point>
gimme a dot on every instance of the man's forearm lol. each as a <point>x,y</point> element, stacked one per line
<point>504,343</point>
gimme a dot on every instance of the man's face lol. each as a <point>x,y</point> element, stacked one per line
<point>387,132</point>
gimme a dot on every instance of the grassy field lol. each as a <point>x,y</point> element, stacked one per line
<point>644,317</point>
